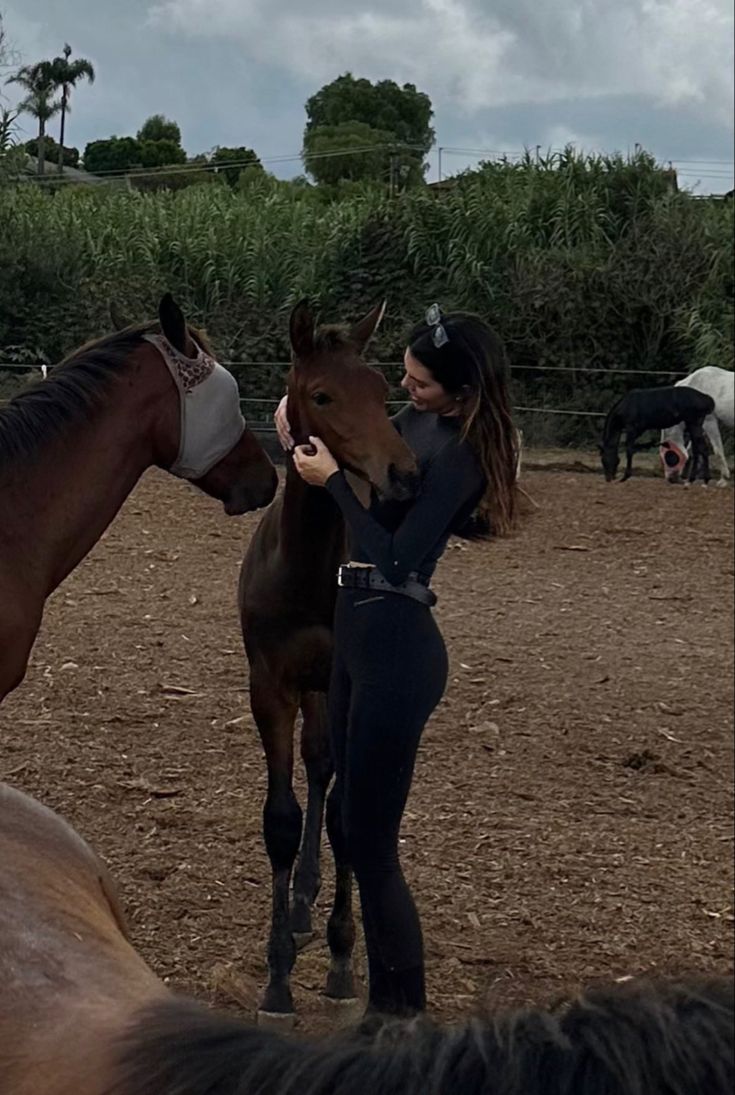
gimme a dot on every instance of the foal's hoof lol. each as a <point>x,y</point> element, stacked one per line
<point>340,985</point>
<point>300,921</point>
<point>302,939</point>
<point>346,1012</point>
<point>276,1020</point>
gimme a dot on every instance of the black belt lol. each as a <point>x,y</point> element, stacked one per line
<point>415,586</point>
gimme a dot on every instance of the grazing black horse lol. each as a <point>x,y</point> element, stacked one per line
<point>635,1038</point>
<point>655,409</point>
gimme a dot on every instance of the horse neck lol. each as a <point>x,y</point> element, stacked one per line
<point>613,427</point>
<point>71,492</point>
<point>312,532</point>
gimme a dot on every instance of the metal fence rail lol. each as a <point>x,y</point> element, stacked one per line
<point>272,402</point>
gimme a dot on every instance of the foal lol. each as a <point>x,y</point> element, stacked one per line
<point>288,589</point>
<point>654,409</point>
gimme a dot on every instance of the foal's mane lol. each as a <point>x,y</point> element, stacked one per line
<point>630,1039</point>
<point>72,392</point>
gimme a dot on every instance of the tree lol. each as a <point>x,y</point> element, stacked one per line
<point>163,153</point>
<point>40,84</point>
<point>367,153</point>
<point>158,128</point>
<point>8,56</point>
<point>69,156</point>
<point>67,75</point>
<point>234,161</point>
<point>385,108</point>
<point>114,154</point>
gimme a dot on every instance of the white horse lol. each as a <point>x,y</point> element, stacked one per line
<point>720,385</point>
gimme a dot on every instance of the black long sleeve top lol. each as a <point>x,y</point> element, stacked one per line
<point>399,538</point>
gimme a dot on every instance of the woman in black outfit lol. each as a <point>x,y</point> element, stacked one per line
<point>390,663</point>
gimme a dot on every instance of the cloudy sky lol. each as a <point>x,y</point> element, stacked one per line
<point>604,74</point>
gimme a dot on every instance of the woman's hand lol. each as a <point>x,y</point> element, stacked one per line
<point>283,428</point>
<point>314,469</point>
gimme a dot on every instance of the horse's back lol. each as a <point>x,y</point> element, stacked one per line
<point>661,408</point>
<point>67,971</point>
<point>719,384</point>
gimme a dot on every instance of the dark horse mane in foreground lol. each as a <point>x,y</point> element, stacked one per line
<point>71,392</point>
<point>634,1038</point>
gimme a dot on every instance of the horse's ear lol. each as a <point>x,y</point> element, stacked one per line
<point>362,332</point>
<point>173,323</point>
<point>301,330</point>
<point>119,321</point>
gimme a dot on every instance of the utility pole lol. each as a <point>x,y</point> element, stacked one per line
<point>440,163</point>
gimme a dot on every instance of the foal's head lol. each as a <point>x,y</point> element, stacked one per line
<point>334,395</point>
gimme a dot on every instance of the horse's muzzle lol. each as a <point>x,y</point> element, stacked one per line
<point>245,499</point>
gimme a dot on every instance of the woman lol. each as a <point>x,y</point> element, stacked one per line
<point>390,663</point>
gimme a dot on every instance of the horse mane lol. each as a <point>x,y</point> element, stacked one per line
<point>73,390</point>
<point>636,1038</point>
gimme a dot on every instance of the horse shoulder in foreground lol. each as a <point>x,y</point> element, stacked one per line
<point>73,446</point>
<point>644,409</point>
<point>720,385</point>
<point>287,595</point>
<point>82,1014</point>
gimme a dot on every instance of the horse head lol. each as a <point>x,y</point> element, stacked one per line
<point>335,395</point>
<point>610,460</point>
<point>213,447</point>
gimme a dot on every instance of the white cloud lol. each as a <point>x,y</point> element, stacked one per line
<point>472,56</point>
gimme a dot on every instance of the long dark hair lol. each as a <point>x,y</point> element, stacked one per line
<point>471,364</point>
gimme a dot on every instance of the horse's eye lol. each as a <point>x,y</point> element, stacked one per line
<point>321,399</point>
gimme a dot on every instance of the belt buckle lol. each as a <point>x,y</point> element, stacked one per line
<point>340,576</point>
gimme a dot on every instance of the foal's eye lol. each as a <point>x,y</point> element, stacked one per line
<point>321,399</point>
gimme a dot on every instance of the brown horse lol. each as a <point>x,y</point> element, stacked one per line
<point>82,1014</point>
<point>287,598</point>
<point>73,446</point>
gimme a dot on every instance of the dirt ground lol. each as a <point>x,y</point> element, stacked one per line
<point>571,817</point>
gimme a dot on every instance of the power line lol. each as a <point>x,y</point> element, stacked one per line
<point>214,167</point>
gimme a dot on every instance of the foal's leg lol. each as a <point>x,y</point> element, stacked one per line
<point>275,714</point>
<point>318,763</point>
<point>630,439</point>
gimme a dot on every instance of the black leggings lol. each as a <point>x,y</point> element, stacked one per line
<point>389,673</point>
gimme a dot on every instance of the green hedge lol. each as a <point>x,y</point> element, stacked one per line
<point>579,263</point>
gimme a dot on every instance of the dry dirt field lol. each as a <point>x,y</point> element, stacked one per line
<point>571,817</point>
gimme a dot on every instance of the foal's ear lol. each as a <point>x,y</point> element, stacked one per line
<point>173,323</point>
<point>301,329</point>
<point>363,331</point>
<point>119,321</point>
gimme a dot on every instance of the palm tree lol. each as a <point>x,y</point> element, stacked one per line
<point>40,83</point>
<point>67,74</point>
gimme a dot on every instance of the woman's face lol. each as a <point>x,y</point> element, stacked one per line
<point>426,393</point>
